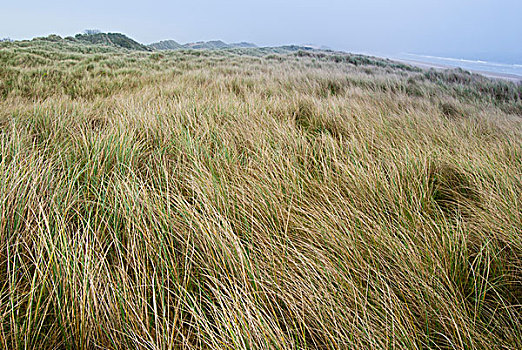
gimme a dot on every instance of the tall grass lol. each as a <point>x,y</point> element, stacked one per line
<point>221,200</point>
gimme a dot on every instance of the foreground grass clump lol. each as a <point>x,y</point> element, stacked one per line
<point>247,199</point>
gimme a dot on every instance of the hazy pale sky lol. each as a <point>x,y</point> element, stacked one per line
<point>478,29</point>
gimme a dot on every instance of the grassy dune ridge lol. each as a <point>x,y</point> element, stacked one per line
<point>248,199</point>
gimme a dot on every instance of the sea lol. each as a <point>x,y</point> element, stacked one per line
<point>511,69</point>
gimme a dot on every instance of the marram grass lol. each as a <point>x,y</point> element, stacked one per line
<point>246,199</point>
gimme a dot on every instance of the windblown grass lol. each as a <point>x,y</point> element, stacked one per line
<point>249,200</point>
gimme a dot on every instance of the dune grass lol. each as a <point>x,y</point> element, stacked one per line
<point>252,200</point>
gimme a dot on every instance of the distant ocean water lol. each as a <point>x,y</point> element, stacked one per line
<point>474,65</point>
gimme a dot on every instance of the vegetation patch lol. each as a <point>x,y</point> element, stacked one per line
<point>452,189</point>
<point>254,198</point>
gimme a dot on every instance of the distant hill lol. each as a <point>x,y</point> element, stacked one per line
<point>244,45</point>
<point>166,45</point>
<point>119,40</point>
<point>112,39</point>
<point>317,47</point>
<point>207,45</point>
<point>200,45</point>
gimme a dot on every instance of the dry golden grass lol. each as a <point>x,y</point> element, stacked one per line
<point>218,201</point>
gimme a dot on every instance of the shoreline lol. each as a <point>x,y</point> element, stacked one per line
<point>492,75</point>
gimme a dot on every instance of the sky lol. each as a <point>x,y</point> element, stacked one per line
<point>472,29</point>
